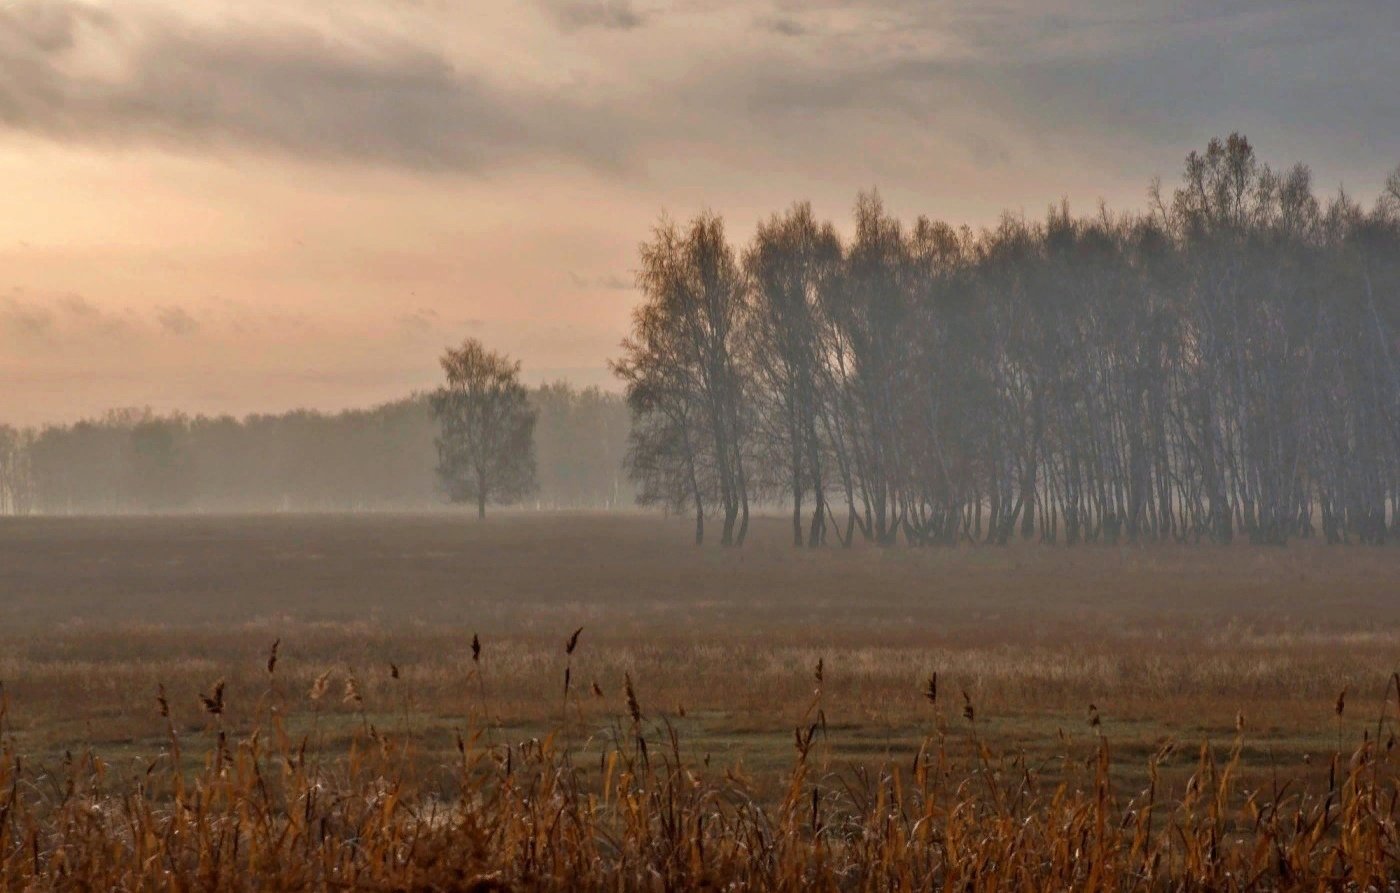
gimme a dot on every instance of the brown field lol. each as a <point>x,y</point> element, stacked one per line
<point>1172,645</point>
<point>1167,642</point>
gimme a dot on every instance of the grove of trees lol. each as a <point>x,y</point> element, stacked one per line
<point>1222,364</point>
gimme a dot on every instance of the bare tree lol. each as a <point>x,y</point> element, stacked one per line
<point>16,492</point>
<point>793,261</point>
<point>684,363</point>
<point>668,454</point>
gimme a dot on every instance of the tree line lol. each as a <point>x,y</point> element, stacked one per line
<point>359,460</point>
<point>1221,364</point>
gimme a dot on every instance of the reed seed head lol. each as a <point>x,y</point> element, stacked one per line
<point>214,701</point>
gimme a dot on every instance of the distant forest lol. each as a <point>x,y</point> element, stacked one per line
<point>361,460</point>
<point>1223,364</point>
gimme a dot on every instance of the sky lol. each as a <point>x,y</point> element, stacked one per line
<point>222,207</point>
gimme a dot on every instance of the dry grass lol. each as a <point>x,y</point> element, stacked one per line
<point>376,617</point>
<point>613,799</point>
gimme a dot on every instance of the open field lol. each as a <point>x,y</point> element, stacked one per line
<point>380,752</point>
<point>1166,642</point>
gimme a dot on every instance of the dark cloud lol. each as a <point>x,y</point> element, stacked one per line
<point>55,318</point>
<point>572,15</point>
<point>25,319</point>
<point>1309,74</point>
<point>873,87</point>
<point>371,98</point>
<point>785,26</point>
<point>420,322</point>
<point>47,317</point>
<point>1009,80</point>
<point>175,320</point>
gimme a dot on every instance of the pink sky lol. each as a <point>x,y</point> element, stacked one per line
<point>301,203</point>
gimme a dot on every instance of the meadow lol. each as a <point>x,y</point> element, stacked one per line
<point>1101,672</point>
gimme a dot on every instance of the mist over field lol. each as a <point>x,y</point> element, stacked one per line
<point>376,459</point>
<point>847,445</point>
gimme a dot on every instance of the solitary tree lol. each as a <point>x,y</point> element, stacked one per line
<point>486,450</point>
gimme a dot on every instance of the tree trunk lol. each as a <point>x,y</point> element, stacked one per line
<point>480,495</point>
<point>796,513</point>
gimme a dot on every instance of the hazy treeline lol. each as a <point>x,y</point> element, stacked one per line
<point>1221,364</point>
<point>374,459</point>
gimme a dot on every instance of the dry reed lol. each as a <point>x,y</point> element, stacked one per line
<point>632,811</point>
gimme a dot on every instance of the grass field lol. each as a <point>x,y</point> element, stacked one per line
<point>1104,718</point>
<point>1168,643</point>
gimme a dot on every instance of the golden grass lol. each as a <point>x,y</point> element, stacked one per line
<point>337,764</point>
<point>614,798</point>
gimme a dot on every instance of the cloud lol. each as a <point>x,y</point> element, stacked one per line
<point>902,84</point>
<point>572,15</point>
<point>25,319</point>
<point>72,72</point>
<point>176,320</point>
<point>47,318</point>
<point>783,25</point>
<point>421,322</point>
<point>606,282</point>
<point>424,324</point>
<point>68,317</point>
<point>847,91</point>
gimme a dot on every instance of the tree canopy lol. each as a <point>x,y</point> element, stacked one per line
<point>486,448</point>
